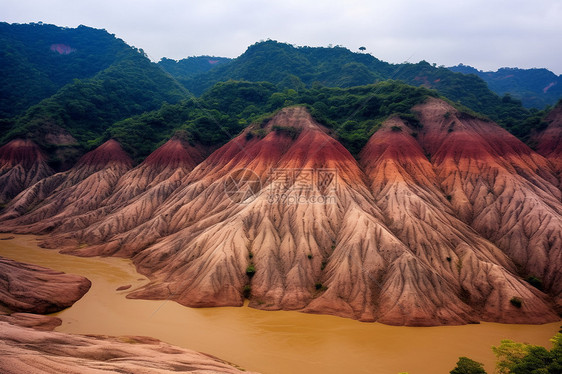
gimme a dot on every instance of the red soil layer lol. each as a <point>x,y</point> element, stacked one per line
<point>108,153</point>
<point>21,165</point>
<point>174,154</point>
<point>500,187</point>
<point>437,228</point>
<point>20,152</point>
<point>73,192</point>
<point>479,275</point>
<point>134,198</point>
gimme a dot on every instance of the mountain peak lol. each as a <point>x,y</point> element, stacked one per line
<point>21,164</point>
<point>20,152</point>
<point>175,153</point>
<point>296,117</point>
<point>108,152</point>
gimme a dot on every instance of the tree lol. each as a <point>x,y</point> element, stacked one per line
<point>467,366</point>
<point>508,354</point>
<point>518,358</point>
<point>541,361</point>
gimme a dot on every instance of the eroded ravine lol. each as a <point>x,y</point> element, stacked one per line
<point>437,225</point>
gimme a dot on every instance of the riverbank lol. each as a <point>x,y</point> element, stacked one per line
<point>264,341</point>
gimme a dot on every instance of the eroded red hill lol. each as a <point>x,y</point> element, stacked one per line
<point>133,200</point>
<point>21,164</point>
<point>498,186</point>
<point>78,190</point>
<point>479,275</point>
<point>437,224</point>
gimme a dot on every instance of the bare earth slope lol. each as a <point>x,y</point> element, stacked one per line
<point>21,165</point>
<point>498,186</point>
<point>24,350</point>
<point>81,189</point>
<point>440,227</point>
<point>134,197</point>
<point>479,274</point>
<point>296,249</point>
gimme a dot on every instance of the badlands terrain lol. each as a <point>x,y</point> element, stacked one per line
<point>291,179</point>
<point>449,221</point>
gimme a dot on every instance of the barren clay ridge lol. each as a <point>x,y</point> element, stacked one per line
<point>442,222</point>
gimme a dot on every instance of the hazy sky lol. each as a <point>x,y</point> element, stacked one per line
<point>487,34</point>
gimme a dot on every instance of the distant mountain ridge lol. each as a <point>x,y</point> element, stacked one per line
<point>536,88</point>
<point>70,90</point>
<point>191,66</point>
<point>295,67</point>
<point>291,66</point>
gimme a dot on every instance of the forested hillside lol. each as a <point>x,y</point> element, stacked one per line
<point>190,66</point>
<point>353,114</point>
<point>536,88</point>
<point>70,90</point>
<point>38,59</point>
<point>66,86</point>
<point>296,68</point>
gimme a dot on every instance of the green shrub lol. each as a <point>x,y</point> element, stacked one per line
<point>247,291</point>
<point>534,281</point>
<point>516,301</point>
<point>250,270</point>
<point>289,131</point>
<point>320,287</point>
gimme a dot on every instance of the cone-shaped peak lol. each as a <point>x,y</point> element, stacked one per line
<point>108,152</point>
<point>175,153</point>
<point>20,152</point>
<point>21,165</point>
<point>296,117</point>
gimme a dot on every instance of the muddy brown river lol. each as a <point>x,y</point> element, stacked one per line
<point>268,342</point>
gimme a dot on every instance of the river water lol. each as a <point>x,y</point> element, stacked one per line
<point>268,342</point>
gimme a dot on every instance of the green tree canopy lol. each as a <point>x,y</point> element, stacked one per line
<point>467,366</point>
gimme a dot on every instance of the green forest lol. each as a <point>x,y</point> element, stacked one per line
<point>32,71</point>
<point>98,88</point>
<point>227,108</point>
